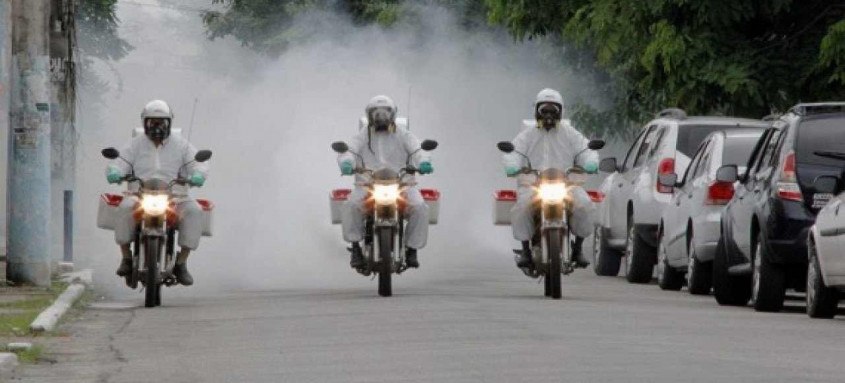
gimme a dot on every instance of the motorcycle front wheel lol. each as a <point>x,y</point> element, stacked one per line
<point>384,238</point>
<point>554,245</point>
<point>152,251</point>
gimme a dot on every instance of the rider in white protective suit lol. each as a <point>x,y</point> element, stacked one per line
<point>157,154</point>
<point>383,144</point>
<point>552,143</point>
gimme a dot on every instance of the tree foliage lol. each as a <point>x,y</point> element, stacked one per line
<point>99,37</point>
<point>744,57</point>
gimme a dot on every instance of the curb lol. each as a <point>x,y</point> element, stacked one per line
<point>47,319</point>
<point>8,363</point>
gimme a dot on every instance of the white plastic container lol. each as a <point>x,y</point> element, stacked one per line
<point>432,199</point>
<point>207,216</point>
<point>336,199</point>
<point>107,210</point>
<point>503,201</point>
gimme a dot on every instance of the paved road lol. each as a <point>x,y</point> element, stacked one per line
<point>480,325</point>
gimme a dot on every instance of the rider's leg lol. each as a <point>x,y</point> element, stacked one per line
<point>124,233</point>
<point>416,232</point>
<point>522,223</point>
<point>578,253</point>
<point>352,224</point>
<point>581,223</point>
<point>190,232</point>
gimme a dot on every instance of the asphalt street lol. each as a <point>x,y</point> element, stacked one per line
<point>479,325</point>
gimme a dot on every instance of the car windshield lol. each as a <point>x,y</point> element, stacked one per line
<point>821,141</point>
<point>738,148</point>
<point>691,136</point>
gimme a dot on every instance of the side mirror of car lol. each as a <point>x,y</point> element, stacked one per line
<point>111,153</point>
<point>596,144</point>
<point>826,184</point>
<point>340,147</point>
<point>669,180</point>
<point>429,145</point>
<point>505,147</point>
<point>608,165</point>
<point>727,173</point>
<point>203,155</point>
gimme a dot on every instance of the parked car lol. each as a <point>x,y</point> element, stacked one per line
<point>689,226</point>
<point>629,216</point>
<point>826,269</point>
<point>765,227</point>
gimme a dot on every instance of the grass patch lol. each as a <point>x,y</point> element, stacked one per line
<point>16,316</point>
<point>32,355</point>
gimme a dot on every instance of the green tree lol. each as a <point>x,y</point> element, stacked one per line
<point>743,57</point>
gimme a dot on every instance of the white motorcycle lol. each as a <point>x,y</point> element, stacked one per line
<point>551,246</point>
<point>385,223</point>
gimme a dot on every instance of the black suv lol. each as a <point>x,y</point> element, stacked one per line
<point>763,246</point>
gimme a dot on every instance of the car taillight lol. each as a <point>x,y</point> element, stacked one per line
<point>505,195</point>
<point>788,188</point>
<point>666,166</point>
<point>719,193</point>
<point>205,204</point>
<point>596,195</point>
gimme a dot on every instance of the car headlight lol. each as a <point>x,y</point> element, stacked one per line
<point>154,204</point>
<point>553,193</point>
<point>385,194</point>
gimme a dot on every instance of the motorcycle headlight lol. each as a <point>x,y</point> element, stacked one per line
<point>553,193</point>
<point>385,194</point>
<point>154,204</point>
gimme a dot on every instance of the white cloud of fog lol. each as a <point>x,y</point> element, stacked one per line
<point>270,123</point>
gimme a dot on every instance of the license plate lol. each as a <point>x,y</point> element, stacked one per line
<point>821,199</point>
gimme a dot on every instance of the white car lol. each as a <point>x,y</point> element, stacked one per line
<point>689,227</point>
<point>629,216</point>
<point>826,268</point>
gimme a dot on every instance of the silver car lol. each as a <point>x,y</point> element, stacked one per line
<point>689,227</point>
<point>826,268</point>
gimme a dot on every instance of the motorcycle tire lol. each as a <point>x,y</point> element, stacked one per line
<point>152,250</point>
<point>554,244</point>
<point>385,265</point>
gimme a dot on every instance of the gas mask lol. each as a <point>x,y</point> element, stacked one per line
<point>157,129</point>
<point>548,115</point>
<point>381,119</point>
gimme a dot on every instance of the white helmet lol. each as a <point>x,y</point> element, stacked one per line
<point>381,113</point>
<point>156,118</point>
<point>548,108</point>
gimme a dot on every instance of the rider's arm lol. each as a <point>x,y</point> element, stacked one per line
<point>356,144</point>
<point>412,143</point>
<point>128,154</point>
<point>194,167</point>
<point>590,158</point>
<point>520,144</point>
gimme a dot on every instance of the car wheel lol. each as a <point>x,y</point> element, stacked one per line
<point>668,278</point>
<point>638,258</point>
<point>699,274</point>
<point>768,281</point>
<point>729,290</point>
<point>822,301</point>
<point>606,261</point>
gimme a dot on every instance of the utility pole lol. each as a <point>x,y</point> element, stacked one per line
<point>29,158</point>
<point>5,88</point>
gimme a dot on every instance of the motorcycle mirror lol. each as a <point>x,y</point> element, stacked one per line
<point>340,147</point>
<point>203,155</point>
<point>596,144</point>
<point>111,153</point>
<point>429,145</point>
<point>826,184</point>
<point>505,146</point>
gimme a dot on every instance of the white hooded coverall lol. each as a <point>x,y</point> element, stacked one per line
<point>162,162</point>
<point>554,148</point>
<point>387,150</point>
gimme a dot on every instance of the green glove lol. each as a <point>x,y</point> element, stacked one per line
<point>591,167</point>
<point>511,170</point>
<point>114,175</point>
<point>346,168</point>
<point>197,179</point>
<point>426,168</point>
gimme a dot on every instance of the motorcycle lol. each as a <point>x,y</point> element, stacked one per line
<point>383,246</point>
<point>156,233</point>
<point>551,246</point>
